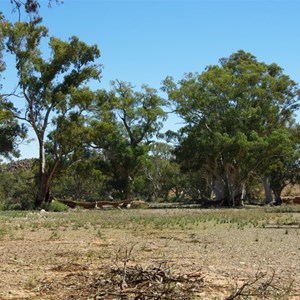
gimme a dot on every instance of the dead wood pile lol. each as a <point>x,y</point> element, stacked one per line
<point>153,282</point>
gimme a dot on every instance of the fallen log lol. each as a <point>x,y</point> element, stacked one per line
<point>108,204</point>
<point>97,204</point>
<point>69,203</point>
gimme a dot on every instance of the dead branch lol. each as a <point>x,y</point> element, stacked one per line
<point>96,204</point>
<point>263,284</point>
<point>153,282</point>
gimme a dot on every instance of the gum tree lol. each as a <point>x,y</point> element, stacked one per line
<point>239,116</point>
<point>124,124</point>
<point>50,87</point>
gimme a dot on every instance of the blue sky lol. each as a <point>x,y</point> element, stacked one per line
<point>145,41</point>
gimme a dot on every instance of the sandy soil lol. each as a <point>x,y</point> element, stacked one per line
<point>49,256</point>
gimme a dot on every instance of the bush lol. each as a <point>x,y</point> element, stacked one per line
<point>55,206</point>
<point>17,190</point>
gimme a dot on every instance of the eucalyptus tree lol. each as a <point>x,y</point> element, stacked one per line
<point>11,132</point>
<point>239,115</point>
<point>124,124</point>
<point>52,93</point>
<point>160,174</point>
<point>285,167</point>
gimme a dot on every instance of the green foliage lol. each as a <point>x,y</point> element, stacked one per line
<point>53,90</point>
<point>159,174</point>
<point>239,119</point>
<point>11,133</point>
<point>122,129</point>
<point>17,190</point>
<point>239,126</point>
<point>80,181</point>
<point>55,206</point>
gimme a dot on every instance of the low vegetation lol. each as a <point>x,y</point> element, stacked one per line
<point>64,229</point>
<point>162,253</point>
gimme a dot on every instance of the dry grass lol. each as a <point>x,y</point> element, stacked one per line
<point>242,254</point>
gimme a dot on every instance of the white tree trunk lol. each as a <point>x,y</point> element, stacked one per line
<point>42,181</point>
<point>268,192</point>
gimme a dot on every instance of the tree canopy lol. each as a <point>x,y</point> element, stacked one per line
<point>51,89</point>
<point>239,128</point>
<point>122,128</point>
<point>240,119</point>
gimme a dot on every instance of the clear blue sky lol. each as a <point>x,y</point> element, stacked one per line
<point>144,41</point>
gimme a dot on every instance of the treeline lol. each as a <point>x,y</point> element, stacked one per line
<point>156,180</point>
<point>239,139</point>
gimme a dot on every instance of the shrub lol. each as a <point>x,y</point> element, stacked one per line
<point>55,206</point>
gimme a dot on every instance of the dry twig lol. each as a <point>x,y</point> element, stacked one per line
<point>263,284</point>
<point>153,282</point>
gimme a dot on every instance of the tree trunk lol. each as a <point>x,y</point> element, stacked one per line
<point>277,196</point>
<point>217,189</point>
<point>227,188</point>
<point>268,191</point>
<point>42,195</point>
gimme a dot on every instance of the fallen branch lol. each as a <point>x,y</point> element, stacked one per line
<point>156,281</point>
<point>263,284</point>
<point>96,204</point>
